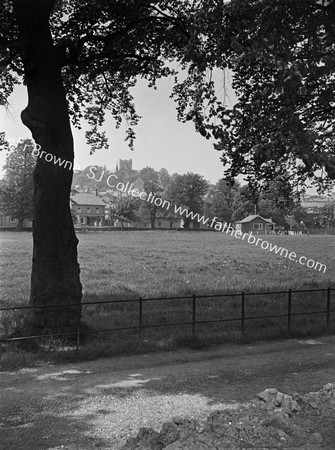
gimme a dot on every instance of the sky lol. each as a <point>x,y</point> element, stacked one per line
<point>161,141</point>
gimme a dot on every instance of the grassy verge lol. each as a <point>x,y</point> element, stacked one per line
<point>161,264</point>
<point>124,315</point>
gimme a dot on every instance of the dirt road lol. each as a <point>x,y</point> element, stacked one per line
<point>98,404</point>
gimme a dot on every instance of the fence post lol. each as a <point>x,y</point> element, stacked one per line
<point>328,307</point>
<point>193,314</point>
<point>242,313</point>
<point>289,309</point>
<point>78,324</point>
<point>140,305</point>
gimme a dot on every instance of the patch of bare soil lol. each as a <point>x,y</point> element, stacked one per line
<point>273,420</point>
<point>101,404</point>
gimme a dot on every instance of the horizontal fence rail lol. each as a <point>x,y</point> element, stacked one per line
<point>194,321</point>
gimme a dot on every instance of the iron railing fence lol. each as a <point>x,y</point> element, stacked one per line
<point>194,320</point>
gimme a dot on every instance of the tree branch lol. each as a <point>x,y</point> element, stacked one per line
<point>76,48</point>
<point>171,19</point>
<point>99,57</point>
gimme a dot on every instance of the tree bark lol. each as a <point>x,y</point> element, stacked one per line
<point>153,217</point>
<point>19,224</point>
<point>55,271</point>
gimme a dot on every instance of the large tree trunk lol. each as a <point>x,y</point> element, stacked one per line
<point>55,272</point>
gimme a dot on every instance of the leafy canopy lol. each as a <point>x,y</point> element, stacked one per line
<point>281,54</point>
<point>151,185</point>
<point>16,190</point>
<point>125,209</point>
<point>188,191</point>
<point>104,46</point>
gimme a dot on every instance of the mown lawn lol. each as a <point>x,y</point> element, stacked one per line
<point>158,263</point>
<point>126,265</point>
<point>121,265</point>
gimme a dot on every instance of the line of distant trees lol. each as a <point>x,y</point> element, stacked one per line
<point>16,188</point>
<point>228,201</point>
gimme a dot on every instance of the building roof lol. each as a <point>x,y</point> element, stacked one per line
<point>315,203</point>
<point>86,198</point>
<point>110,197</point>
<point>252,217</point>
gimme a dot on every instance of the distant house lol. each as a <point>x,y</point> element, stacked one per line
<point>161,222</point>
<point>89,209</point>
<point>7,221</point>
<point>255,224</point>
<point>313,203</point>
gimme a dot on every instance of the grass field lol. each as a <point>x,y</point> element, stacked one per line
<point>164,263</point>
<point>126,265</point>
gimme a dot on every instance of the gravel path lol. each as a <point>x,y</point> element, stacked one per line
<point>99,404</point>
